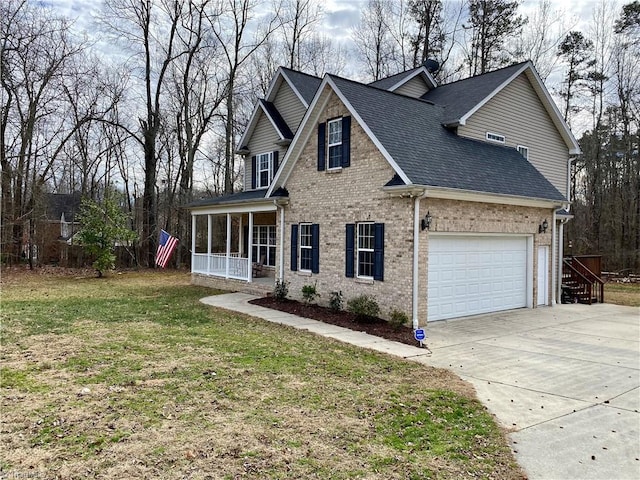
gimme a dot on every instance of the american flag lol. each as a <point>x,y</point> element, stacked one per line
<point>167,245</point>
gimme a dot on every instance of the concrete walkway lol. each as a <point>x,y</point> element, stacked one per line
<point>564,380</point>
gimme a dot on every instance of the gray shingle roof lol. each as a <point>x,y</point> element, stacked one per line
<point>412,132</point>
<point>388,82</point>
<point>281,125</point>
<point>305,84</point>
<point>461,96</point>
<point>240,197</point>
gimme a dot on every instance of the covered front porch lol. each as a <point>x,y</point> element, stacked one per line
<point>236,243</point>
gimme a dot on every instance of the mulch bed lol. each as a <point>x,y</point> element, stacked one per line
<point>374,326</point>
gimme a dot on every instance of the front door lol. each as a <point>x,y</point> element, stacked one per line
<point>543,275</point>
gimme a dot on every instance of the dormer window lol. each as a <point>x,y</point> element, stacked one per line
<point>495,137</point>
<point>524,151</point>
<point>263,169</point>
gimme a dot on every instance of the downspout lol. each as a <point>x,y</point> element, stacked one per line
<point>417,193</point>
<point>569,199</point>
<point>554,242</point>
<point>416,260</point>
<point>560,258</point>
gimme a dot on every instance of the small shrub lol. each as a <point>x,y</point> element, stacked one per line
<point>336,301</point>
<point>310,293</point>
<point>281,290</point>
<point>398,319</point>
<point>365,307</point>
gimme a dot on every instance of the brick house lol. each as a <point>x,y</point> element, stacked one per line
<point>439,200</point>
<point>55,224</point>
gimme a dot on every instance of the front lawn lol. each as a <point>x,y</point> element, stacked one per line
<point>131,377</point>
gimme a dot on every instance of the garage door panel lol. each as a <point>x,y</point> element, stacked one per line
<point>471,275</point>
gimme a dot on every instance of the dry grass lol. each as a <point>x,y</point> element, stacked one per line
<point>131,377</point>
<point>622,294</point>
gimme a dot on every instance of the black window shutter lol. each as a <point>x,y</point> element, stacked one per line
<point>378,251</point>
<point>294,247</point>
<point>346,141</point>
<point>322,140</point>
<point>315,248</point>
<point>245,236</point>
<point>349,251</point>
<point>275,161</point>
<point>254,174</point>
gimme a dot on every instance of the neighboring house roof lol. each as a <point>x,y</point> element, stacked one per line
<point>421,150</point>
<point>58,204</point>
<point>463,98</point>
<point>394,82</point>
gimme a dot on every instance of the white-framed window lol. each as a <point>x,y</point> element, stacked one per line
<point>264,169</point>
<point>524,151</point>
<point>305,247</point>
<point>264,244</point>
<point>335,143</point>
<point>365,249</point>
<point>495,137</point>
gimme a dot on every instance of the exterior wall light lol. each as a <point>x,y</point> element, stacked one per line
<point>543,227</point>
<point>426,221</point>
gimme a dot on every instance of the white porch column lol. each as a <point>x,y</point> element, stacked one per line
<point>226,273</point>
<point>193,240</point>
<point>250,247</point>
<point>209,240</point>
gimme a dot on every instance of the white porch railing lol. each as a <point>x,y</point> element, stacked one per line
<point>221,265</point>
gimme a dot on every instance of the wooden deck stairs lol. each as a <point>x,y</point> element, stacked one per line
<point>581,280</point>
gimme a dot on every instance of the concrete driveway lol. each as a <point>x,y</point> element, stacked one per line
<point>565,380</point>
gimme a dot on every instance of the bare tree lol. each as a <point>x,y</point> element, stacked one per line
<point>540,37</point>
<point>374,41</point>
<point>149,29</point>
<point>42,110</point>
<point>491,23</point>
<point>428,41</point>
<point>298,19</point>
<point>231,28</point>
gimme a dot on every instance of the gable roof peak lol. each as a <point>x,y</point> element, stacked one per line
<point>393,82</point>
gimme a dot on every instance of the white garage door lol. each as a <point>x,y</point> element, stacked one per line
<point>469,275</point>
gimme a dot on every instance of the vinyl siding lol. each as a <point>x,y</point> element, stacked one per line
<point>289,105</point>
<point>413,88</point>
<point>262,140</point>
<point>517,113</point>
